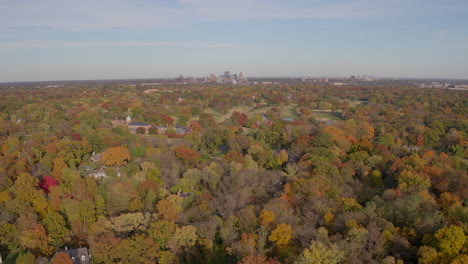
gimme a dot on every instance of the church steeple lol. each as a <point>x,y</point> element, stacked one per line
<point>129,119</point>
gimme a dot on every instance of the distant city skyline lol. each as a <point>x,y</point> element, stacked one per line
<point>121,39</point>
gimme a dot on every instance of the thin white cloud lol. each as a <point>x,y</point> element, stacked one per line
<point>84,44</point>
<point>106,14</point>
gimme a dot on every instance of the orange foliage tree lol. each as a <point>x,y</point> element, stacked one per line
<point>188,156</point>
<point>116,156</point>
<point>62,258</point>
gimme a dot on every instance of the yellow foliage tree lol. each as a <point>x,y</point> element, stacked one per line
<point>282,157</point>
<point>451,239</point>
<point>267,217</point>
<point>350,204</point>
<point>428,255</point>
<point>59,165</point>
<point>319,253</point>
<point>328,217</point>
<point>281,234</point>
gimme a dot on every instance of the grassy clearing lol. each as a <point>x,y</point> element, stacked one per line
<point>219,117</point>
<point>354,103</point>
<point>258,111</point>
<point>287,111</point>
<point>332,116</point>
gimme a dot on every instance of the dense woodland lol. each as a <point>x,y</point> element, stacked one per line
<point>267,174</point>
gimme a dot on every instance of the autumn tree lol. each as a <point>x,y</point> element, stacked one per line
<point>47,183</point>
<point>170,208</point>
<point>55,226</point>
<point>36,240</point>
<point>281,235</point>
<point>195,125</point>
<point>319,253</point>
<point>267,217</point>
<point>450,240</point>
<point>153,130</point>
<point>239,118</point>
<point>169,121</point>
<point>61,258</point>
<point>136,249</point>
<point>162,232</point>
<point>141,130</point>
<point>26,258</point>
<point>188,156</point>
<point>257,259</point>
<point>184,238</point>
<point>27,197</point>
<point>59,165</point>
<point>116,156</point>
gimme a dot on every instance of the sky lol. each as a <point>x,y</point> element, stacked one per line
<point>45,40</point>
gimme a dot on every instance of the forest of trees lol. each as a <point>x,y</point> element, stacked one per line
<point>266,174</point>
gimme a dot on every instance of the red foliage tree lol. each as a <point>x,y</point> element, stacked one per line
<point>297,123</point>
<point>105,105</point>
<point>46,183</point>
<point>76,136</point>
<point>239,117</point>
<point>169,120</point>
<point>195,125</point>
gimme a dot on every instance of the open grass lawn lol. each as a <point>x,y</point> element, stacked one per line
<point>354,103</point>
<point>324,116</point>
<point>287,111</point>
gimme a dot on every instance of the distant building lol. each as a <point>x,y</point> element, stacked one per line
<point>213,78</point>
<point>241,78</point>
<point>461,87</point>
<point>152,91</point>
<point>96,157</point>
<point>227,77</point>
<point>182,130</point>
<point>180,79</point>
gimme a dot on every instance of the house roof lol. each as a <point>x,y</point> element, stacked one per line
<point>79,255</point>
<point>138,124</point>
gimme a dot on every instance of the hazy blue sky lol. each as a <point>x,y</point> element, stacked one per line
<point>101,39</point>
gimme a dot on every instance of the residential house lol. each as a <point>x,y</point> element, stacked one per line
<point>98,174</point>
<point>96,157</point>
<point>78,255</point>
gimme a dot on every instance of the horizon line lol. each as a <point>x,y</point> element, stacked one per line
<point>254,77</point>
